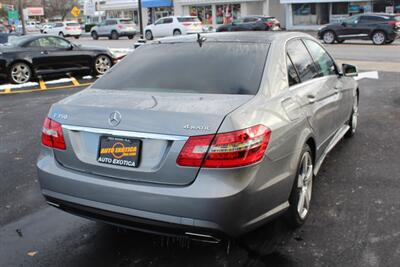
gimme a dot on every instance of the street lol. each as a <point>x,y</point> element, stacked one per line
<point>355,206</point>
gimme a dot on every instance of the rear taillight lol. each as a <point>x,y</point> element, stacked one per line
<point>120,26</point>
<point>186,24</point>
<point>68,28</point>
<point>52,135</point>
<point>394,23</point>
<point>269,24</point>
<point>226,150</point>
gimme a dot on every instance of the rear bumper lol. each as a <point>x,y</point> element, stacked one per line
<point>212,205</point>
<point>127,33</point>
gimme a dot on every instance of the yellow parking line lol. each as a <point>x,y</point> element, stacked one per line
<point>74,81</point>
<point>7,90</point>
<point>42,85</point>
<point>46,89</point>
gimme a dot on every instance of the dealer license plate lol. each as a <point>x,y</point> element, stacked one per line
<point>119,151</point>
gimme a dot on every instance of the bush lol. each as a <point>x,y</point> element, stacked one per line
<point>88,27</point>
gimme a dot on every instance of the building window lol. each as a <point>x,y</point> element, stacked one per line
<point>204,13</point>
<point>227,13</point>
<point>304,14</point>
<point>303,9</point>
<point>340,8</point>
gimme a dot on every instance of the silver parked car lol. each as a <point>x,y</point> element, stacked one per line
<point>213,134</point>
<point>114,28</point>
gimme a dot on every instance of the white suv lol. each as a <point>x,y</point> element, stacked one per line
<point>64,29</point>
<point>175,25</point>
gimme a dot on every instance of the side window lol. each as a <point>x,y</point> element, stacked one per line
<point>293,77</point>
<point>109,22</point>
<point>160,21</point>
<point>58,25</point>
<point>58,43</point>
<point>167,20</point>
<point>34,43</point>
<point>321,58</point>
<point>302,60</point>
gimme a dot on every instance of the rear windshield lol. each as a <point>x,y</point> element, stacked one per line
<point>72,24</point>
<point>188,19</point>
<point>126,21</point>
<point>214,68</point>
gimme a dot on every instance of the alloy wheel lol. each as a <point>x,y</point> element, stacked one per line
<point>103,63</point>
<point>329,37</point>
<point>378,38</point>
<point>304,184</point>
<point>20,73</point>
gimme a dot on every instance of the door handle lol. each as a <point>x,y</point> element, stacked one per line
<point>311,99</point>
<point>44,52</point>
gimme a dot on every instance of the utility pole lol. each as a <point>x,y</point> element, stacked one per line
<point>140,18</point>
<point>21,14</point>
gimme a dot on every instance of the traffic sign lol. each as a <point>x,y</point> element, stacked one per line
<point>75,11</point>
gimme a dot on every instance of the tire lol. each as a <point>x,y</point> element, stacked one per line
<point>389,42</point>
<point>340,41</point>
<point>61,34</point>
<point>328,37</point>
<point>148,35</point>
<point>114,35</point>
<point>300,196</point>
<point>353,121</point>
<point>130,37</point>
<point>102,64</point>
<point>76,36</point>
<point>94,35</point>
<point>177,32</point>
<point>20,73</point>
<point>378,38</point>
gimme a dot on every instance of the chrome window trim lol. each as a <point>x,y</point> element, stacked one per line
<point>123,133</point>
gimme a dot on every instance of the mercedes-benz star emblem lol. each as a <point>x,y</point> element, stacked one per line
<point>115,118</point>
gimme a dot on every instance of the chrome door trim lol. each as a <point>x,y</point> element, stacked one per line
<point>126,133</point>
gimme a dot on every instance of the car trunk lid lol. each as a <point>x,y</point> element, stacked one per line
<point>160,122</point>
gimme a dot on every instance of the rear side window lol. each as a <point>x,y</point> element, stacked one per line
<point>126,21</point>
<point>188,19</point>
<point>111,22</point>
<point>302,60</point>
<point>293,77</point>
<point>321,58</point>
<point>167,20</point>
<point>214,68</point>
<point>72,24</point>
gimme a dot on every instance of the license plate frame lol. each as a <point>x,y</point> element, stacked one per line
<point>119,151</point>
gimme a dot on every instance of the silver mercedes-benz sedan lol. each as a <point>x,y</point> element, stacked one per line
<point>200,136</point>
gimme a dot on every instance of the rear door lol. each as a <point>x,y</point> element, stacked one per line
<point>315,93</point>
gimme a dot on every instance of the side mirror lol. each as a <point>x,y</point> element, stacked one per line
<point>344,24</point>
<point>349,70</point>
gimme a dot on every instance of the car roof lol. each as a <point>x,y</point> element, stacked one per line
<point>245,37</point>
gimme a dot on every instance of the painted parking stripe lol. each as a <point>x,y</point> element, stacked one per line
<point>42,85</point>
<point>367,75</point>
<point>74,81</point>
<point>43,90</point>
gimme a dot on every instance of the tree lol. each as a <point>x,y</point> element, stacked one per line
<point>59,8</point>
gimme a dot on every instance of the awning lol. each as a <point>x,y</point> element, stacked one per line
<point>156,3</point>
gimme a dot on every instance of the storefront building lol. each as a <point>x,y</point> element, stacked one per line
<point>310,14</point>
<point>216,12</point>
<point>151,9</point>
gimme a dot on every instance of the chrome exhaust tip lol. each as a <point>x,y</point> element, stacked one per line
<point>203,238</point>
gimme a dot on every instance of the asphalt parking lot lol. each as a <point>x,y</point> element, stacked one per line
<point>355,206</point>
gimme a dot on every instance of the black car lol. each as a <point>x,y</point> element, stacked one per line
<point>38,56</point>
<point>251,23</point>
<point>380,28</point>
